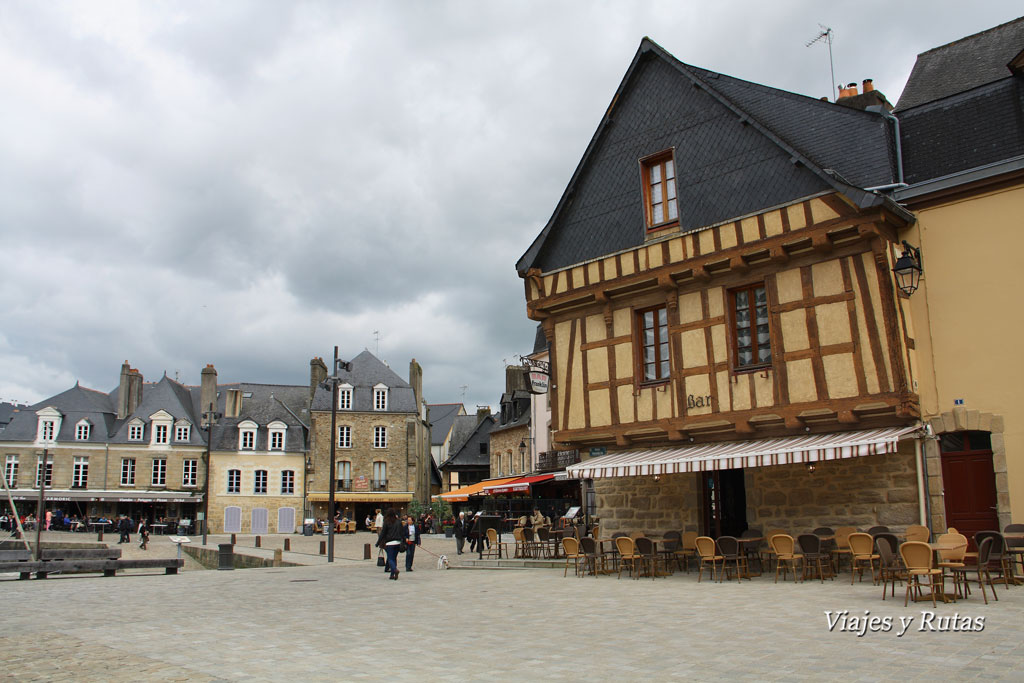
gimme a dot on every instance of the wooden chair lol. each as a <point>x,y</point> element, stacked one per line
<point>916,532</point>
<point>706,551</point>
<point>628,556</point>
<point>917,558</point>
<point>784,548</point>
<point>842,545</point>
<point>571,547</point>
<point>862,549</point>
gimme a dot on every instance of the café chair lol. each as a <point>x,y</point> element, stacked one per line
<point>729,548</point>
<point>917,558</point>
<point>520,548</point>
<point>769,550</point>
<point>706,551</point>
<point>628,556</point>
<point>952,559</point>
<point>645,549</point>
<point>842,545</point>
<point>786,556</point>
<point>814,558</point>
<point>998,558</point>
<point>862,548</point>
<point>889,567</point>
<point>689,547</point>
<point>571,547</point>
<point>880,529</point>
<point>890,539</point>
<point>916,532</point>
<point>984,555</point>
<point>673,548</point>
<point>1015,546</point>
<point>592,555</point>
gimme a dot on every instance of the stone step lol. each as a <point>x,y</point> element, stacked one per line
<point>513,563</point>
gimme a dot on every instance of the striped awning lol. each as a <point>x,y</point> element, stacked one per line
<point>735,454</point>
<point>462,495</point>
<point>520,485</point>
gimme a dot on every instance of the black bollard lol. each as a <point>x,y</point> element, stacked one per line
<point>366,551</point>
<point>257,542</point>
<point>99,534</point>
<point>323,547</point>
<point>232,539</point>
<point>287,545</point>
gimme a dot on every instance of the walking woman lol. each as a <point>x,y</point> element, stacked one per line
<point>391,538</point>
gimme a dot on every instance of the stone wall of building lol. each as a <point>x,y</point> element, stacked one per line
<point>628,504</point>
<point>504,445</point>
<point>247,464</point>
<point>859,492</point>
<point>400,449</point>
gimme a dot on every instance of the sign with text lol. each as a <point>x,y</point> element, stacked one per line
<point>360,484</point>
<point>538,382</point>
<point>598,450</point>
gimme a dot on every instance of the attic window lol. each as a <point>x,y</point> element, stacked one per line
<point>658,173</point>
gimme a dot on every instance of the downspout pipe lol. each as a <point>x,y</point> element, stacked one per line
<point>899,145</point>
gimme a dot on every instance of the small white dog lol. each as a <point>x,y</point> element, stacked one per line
<point>442,562</point>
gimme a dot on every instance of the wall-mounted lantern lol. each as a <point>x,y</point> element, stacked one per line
<point>908,269</point>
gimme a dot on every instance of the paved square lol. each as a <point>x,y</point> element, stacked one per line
<point>347,621</point>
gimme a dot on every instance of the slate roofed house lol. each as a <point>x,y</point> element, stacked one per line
<point>470,461</point>
<point>442,421</point>
<point>715,284</point>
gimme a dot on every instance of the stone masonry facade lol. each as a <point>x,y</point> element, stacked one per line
<point>399,455</point>
<point>505,445</point>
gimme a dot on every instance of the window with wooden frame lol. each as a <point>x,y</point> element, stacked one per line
<point>659,187</point>
<point>652,328</point>
<point>751,336</point>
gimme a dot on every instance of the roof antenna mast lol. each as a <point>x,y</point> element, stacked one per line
<point>826,35</point>
<point>376,338</point>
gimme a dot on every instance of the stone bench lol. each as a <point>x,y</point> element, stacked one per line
<point>109,567</point>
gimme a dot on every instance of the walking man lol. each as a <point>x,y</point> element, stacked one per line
<point>412,533</point>
<point>460,532</point>
<point>125,527</point>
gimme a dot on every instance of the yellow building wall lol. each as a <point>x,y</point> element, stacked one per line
<point>968,321</point>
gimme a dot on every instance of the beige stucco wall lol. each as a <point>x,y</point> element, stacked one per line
<point>968,323</point>
<point>248,463</point>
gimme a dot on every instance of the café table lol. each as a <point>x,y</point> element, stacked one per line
<point>743,542</point>
<point>159,528</point>
<point>936,547</point>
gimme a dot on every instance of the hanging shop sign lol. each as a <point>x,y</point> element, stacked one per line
<point>538,382</point>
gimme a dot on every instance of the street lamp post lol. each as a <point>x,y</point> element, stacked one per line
<point>40,514</point>
<point>334,380</point>
<point>209,417</point>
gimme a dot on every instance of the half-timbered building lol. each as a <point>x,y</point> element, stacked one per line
<point>715,284</point>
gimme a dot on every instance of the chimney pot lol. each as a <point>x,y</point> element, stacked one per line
<point>868,85</point>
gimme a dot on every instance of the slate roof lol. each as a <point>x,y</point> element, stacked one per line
<point>962,106</point>
<point>740,148</point>
<point>167,395</point>
<point>468,452</point>
<point>441,417</point>
<point>367,372</point>
<point>962,65</point>
<point>74,404</point>
<point>540,340</point>
<point>262,404</point>
<point>7,410</point>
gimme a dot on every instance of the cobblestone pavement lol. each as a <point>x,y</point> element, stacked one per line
<point>347,621</point>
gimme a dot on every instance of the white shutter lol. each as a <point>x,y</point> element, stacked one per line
<point>259,520</point>
<point>233,520</point>
<point>285,520</point>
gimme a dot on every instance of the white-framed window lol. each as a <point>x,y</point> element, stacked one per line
<point>159,472</point>
<point>49,471</point>
<point>80,473</point>
<point>380,437</point>
<point>136,432</point>
<point>277,431</point>
<point>11,471</point>
<point>48,425</point>
<point>345,397</point>
<point>287,482</point>
<point>380,397</point>
<point>259,482</point>
<point>82,430</point>
<point>127,471</point>
<point>234,481</point>
<point>189,471</point>
<point>344,474</point>
<point>344,436</point>
<point>380,476</point>
<point>182,432</point>
<point>160,434</point>
<point>247,435</point>
<point>48,430</point>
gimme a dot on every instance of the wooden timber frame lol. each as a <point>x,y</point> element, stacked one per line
<point>840,335</point>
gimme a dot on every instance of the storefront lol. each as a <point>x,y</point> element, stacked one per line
<point>356,505</point>
<point>148,505</point>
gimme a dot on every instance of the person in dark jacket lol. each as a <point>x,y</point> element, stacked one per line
<point>412,539</point>
<point>391,539</point>
<point>460,532</point>
<point>125,527</point>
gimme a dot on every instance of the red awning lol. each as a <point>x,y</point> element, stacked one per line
<point>520,485</point>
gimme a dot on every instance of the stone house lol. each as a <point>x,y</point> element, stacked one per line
<point>716,287</point>
<point>513,427</point>
<point>470,459</point>
<point>382,442</point>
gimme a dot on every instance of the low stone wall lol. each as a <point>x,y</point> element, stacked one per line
<point>209,558</point>
<point>12,544</point>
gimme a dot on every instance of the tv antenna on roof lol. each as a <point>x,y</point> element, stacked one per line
<point>376,337</point>
<point>826,35</point>
<point>464,387</point>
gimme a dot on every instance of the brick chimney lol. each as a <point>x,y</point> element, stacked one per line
<point>317,374</point>
<point>129,391</point>
<point>516,378</point>
<point>848,97</point>
<point>208,388</point>
<point>416,382</point>
<point>482,412</point>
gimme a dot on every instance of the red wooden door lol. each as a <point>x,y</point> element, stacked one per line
<point>969,482</point>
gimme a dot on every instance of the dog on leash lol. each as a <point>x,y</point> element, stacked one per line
<point>442,562</point>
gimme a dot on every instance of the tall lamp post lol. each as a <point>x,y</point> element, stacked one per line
<point>209,417</point>
<point>333,381</point>
<point>40,514</point>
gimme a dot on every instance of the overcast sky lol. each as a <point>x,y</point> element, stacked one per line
<point>250,183</point>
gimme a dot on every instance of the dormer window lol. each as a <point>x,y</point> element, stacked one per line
<point>277,431</point>
<point>136,431</point>
<point>82,430</point>
<point>161,432</point>
<point>345,397</point>
<point>49,425</point>
<point>247,435</point>
<point>659,190</point>
<point>182,432</point>
<point>380,397</point>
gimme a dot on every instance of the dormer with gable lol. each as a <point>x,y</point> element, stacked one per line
<point>48,426</point>
<point>160,424</point>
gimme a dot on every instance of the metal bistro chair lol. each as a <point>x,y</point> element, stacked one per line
<point>814,558</point>
<point>572,552</point>
<point>880,529</point>
<point>889,567</point>
<point>729,548</point>
<point>916,532</point>
<point>591,555</point>
<point>997,557</point>
<point>520,549</point>
<point>628,557</point>
<point>753,551</point>
<point>862,549</point>
<point>984,553</point>
<point>842,546</point>
<point>532,546</point>
<point>952,559</point>
<point>706,550</point>
<point>1015,546</point>
<point>689,548</point>
<point>917,557</point>
<point>645,548</point>
<point>784,548</point>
